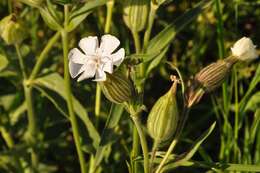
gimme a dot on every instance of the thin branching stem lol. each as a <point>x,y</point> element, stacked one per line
<point>143,142</point>
<point>73,118</point>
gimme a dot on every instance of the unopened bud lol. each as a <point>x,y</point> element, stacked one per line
<point>213,75</point>
<point>135,14</point>
<point>163,118</point>
<point>208,79</point>
<point>11,30</point>
<point>117,88</point>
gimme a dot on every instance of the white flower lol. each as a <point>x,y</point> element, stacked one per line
<point>244,49</point>
<point>95,59</point>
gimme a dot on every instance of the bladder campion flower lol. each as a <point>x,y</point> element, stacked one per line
<point>94,59</point>
<point>244,49</point>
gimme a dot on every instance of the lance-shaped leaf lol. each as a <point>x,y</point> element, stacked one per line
<point>49,19</point>
<point>55,83</point>
<point>162,39</point>
<point>188,155</point>
<point>108,134</point>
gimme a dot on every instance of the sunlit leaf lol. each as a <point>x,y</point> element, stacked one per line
<point>108,134</point>
<point>55,83</point>
<point>3,62</point>
<point>188,155</point>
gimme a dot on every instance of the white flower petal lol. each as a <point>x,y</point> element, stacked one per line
<point>76,56</point>
<point>244,49</point>
<point>108,44</point>
<point>108,67</point>
<point>74,69</point>
<point>118,57</point>
<point>89,71</point>
<point>89,44</point>
<point>100,75</point>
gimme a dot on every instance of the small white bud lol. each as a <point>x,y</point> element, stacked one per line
<point>244,49</point>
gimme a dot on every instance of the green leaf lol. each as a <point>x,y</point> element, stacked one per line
<point>188,155</point>
<point>156,61</point>
<point>15,115</point>
<point>253,102</point>
<point>49,19</point>
<point>3,62</point>
<point>108,134</point>
<point>87,7</point>
<point>220,167</point>
<point>162,39</point>
<point>255,126</point>
<point>252,85</point>
<point>76,21</point>
<point>54,12</point>
<point>7,101</point>
<point>142,57</point>
<point>55,83</point>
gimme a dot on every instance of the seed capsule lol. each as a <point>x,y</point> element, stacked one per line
<point>135,14</point>
<point>163,118</point>
<point>117,88</point>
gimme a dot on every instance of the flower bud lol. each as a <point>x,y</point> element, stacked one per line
<point>213,75</point>
<point>135,14</point>
<point>244,49</point>
<point>163,118</point>
<point>208,79</point>
<point>117,88</point>
<point>11,30</point>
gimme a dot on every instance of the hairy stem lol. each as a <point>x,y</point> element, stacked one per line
<point>110,6</point>
<point>143,142</point>
<point>32,122</point>
<point>73,118</point>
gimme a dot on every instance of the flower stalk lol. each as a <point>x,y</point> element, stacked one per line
<point>143,142</point>
<point>110,6</point>
<point>73,119</point>
<point>32,122</point>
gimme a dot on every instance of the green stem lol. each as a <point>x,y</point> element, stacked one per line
<point>21,62</point>
<point>32,123</point>
<point>174,141</point>
<point>110,5</point>
<point>135,148</point>
<point>147,34</point>
<point>43,55</point>
<point>73,118</point>
<point>137,41</point>
<point>143,142</point>
<point>155,146</point>
<point>236,115</point>
<point>10,6</point>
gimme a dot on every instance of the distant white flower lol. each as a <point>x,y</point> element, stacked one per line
<point>244,49</point>
<point>94,59</point>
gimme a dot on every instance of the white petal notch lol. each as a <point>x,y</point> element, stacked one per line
<point>94,60</point>
<point>244,49</point>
